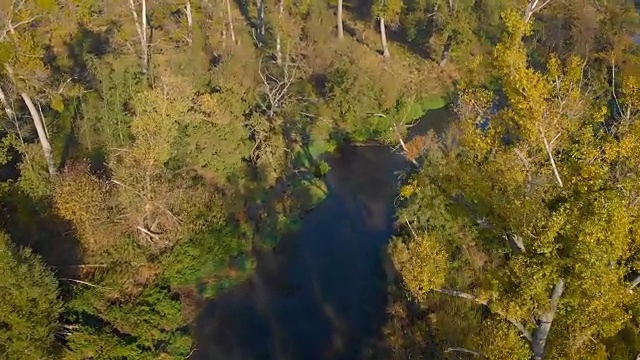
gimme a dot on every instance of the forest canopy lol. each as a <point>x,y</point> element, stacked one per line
<point>151,149</point>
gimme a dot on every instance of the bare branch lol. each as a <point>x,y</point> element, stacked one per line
<point>148,233</point>
<point>532,7</point>
<point>463,350</point>
<point>547,147</point>
<point>475,299</point>
<point>81,282</point>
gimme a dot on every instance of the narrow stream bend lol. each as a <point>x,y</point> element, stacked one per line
<point>323,293</point>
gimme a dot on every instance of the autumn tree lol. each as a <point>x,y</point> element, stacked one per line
<point>526,214</point>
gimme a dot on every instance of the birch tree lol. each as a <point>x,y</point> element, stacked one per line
<point>279,33</point>
<point>27,79</point>
<point>140,21</point>
<point>542,167</point>
<point>339,20</point>
<point>384,10</point>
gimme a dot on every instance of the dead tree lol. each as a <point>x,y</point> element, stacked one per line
<point>275,91</point>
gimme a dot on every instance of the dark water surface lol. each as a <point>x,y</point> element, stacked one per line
<point>322,293</point>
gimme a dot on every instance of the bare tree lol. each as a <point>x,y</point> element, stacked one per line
<point>533,7</point>
<point>276,90</point>
<point>141,28</point>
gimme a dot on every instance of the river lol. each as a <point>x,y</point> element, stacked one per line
<point>322,293</point>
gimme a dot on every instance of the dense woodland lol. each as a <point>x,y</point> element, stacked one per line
<point>151,148</point>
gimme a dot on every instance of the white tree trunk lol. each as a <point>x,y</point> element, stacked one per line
<point>7,108</point>
<point>187,10</point>
<point>340,26</point>
<point>260,4</point>
<point>534,6</point>
<point>537,339</point>
<point>141,28</point>
<point>42,134</point>
<point>145,39</point>
<point>278,36</point>
<point>383,39</point>
<point>545,319</point>
<point>230,21</point>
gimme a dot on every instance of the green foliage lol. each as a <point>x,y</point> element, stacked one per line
<point>30,304</point>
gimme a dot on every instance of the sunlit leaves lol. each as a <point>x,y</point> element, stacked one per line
<point>422,262</point>
<point>496,191</point>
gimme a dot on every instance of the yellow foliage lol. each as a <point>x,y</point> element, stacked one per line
<point>81,199</point>
<point>422,262</point>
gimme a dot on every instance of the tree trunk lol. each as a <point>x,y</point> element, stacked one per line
<point>383,39</point>
<point>532,7</point>
<point>278,40</point>
<point>145,44</point>
<point>141,28</point>
<point>7,108</point>
<point>187,10</point>
<point>42,134</point>
<point>230,21</point>
<point>340,26</point>
<point>261,31</point>
<point>545,319</point>
<point>537,339</point>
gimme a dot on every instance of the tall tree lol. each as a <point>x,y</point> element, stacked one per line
<point>530,214</point>
<point>389,10</point>
<point>30,305</point>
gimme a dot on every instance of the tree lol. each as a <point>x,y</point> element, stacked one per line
<point>390,10</point>
<point>528,211</point>
<point>30,305</point>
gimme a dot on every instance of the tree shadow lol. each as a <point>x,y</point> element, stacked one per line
<point>321,293</point>
<point>34,224</point>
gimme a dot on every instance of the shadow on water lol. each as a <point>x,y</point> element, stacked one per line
<point>322,293</point>
<point>436,120</point>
